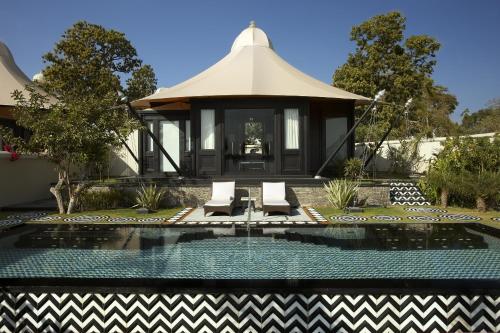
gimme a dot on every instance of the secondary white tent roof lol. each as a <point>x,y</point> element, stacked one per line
<point>11,77</point>
<point>252,68</point>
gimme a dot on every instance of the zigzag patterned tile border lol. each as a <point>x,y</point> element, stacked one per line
<point>72,312</point>
<point>406,193</point>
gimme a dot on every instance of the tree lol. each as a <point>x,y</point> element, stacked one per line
<point>142,83</point>
<point>384,59</point>
<point>432,111</point>
<point>483,121</point>
<point>79,119</point>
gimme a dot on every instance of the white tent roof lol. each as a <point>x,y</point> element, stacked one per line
<point>252,68</point>
<point>11,77</point>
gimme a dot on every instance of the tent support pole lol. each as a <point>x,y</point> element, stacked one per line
<point>344,140</point>
<point>386,134</point>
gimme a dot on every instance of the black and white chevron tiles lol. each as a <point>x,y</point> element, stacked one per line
<point>405,193</point>
<point>69,312</point>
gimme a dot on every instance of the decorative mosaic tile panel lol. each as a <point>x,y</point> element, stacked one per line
<point>460,217</point>
<point>315,214</point>
<point>348,218</point>
<point>8,223</point>
<point>405,193</point>
<point>423,218</point>
<point>72,312</point>
<point>425,210</point>
<point>385,218</point>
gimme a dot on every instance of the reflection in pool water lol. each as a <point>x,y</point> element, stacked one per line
<point>385,251</point>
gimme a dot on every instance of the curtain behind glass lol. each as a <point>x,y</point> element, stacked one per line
<point>207,129</point>
<point>291,129</point>
<point>187,135</point>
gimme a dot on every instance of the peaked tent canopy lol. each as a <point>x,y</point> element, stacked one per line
<point>11,77</point>
<point>252,68</point>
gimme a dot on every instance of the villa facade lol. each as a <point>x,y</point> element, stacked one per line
<point>251,114</point>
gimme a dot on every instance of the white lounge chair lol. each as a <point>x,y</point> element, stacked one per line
<point>274,198</point>
<point>222,198</point>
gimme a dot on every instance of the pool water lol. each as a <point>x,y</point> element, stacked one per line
<point>375,251</point>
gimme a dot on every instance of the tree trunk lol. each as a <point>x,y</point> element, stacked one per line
<point>444,197</point>
<point>481,204</point>
<point>74,195</point>
<point>56,191</point>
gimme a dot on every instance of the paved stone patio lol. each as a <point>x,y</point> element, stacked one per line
<point>241,215</point>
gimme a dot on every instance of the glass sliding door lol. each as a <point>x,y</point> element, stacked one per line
<point>335,131</point>
<point>249,138</point>
<point>170,140</point>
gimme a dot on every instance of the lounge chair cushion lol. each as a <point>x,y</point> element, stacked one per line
<point>273,191</point>
<point>223,191</point>
<point>283,203</point>
<point>218,203</point>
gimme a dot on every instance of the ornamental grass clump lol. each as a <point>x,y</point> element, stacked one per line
<point>341,192</point>
<point>149,197</point>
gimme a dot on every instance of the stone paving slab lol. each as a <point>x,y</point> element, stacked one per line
<point>241,215</point>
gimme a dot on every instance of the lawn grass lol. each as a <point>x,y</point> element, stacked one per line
<point>401,212</point>
<point>3,215</point>
<point>123,212</point>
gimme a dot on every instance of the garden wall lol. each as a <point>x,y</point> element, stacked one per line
<point>25,180</point>
<point>427,148</point>
<point>192,195</point>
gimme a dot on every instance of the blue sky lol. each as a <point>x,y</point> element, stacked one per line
<point>181,38</point>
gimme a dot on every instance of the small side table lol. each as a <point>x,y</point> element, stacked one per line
<point>252,202</point>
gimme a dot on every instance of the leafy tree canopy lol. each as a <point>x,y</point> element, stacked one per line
<point>483,121</point>
<point>80,119</point>
<point>385,59</point>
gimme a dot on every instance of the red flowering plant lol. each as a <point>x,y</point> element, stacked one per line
<point>14,156</point>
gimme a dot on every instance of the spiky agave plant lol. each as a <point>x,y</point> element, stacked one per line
<point>149,197</point>
<point>341,192</point>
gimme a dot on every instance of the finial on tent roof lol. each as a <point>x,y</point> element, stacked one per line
<point>252,24</point>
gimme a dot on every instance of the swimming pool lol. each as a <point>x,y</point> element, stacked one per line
<point>379,251</point>
<point>377,277</point>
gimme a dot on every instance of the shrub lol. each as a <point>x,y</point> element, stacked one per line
<point>341,192</point>
<point>428,190</point>
<point>354,168</point>
<point>149,197</point>
<point>465,172</point>
<point>104,199</point>
<point>405,158</point>
<point>484,186</point>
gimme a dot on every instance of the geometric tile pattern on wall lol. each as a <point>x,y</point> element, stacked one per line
<point>73,312</point>
<point>406,193</point>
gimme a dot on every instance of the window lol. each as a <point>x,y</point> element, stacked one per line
<point>187,136</point>
<point>291,128</point>
<point>149,139</point>
<point>207,129</point>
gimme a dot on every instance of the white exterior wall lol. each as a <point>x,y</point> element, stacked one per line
<point>25,180</point>
<point>427,148</point>
<point>121,163</point>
